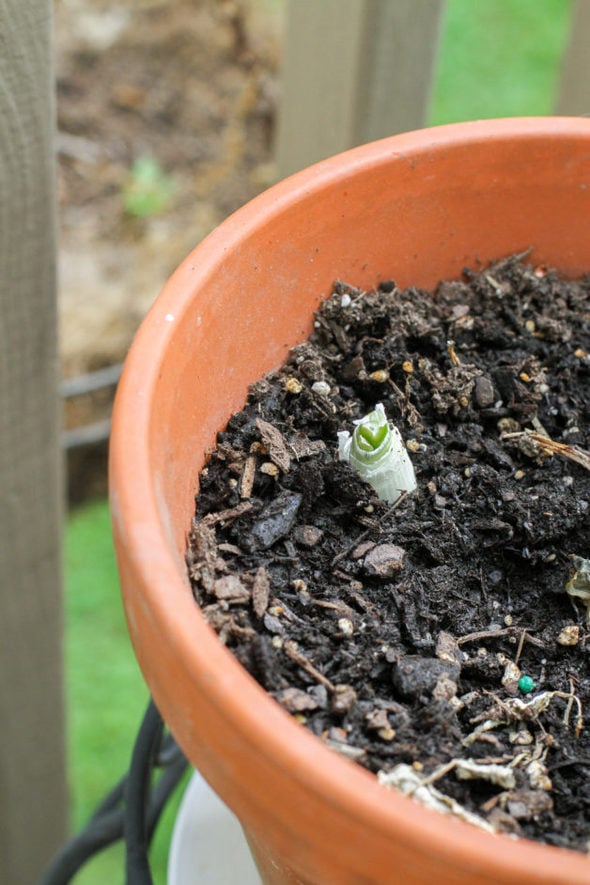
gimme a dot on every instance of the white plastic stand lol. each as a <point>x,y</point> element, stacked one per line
<point>208,844</point>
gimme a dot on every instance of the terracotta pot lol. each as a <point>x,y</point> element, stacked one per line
<point>416,208</point>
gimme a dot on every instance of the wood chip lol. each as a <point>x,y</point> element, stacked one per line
<point>302,447</point>
<point>231,589</point>
<point>225,516</point>
<point>294,700</point>
<point>260,591</point>
<point>274,441</point>
<point>247,477</point>
<point>202,555</point>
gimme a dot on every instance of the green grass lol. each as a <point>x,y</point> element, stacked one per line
<point>105,690</point>
<point>497,58</point>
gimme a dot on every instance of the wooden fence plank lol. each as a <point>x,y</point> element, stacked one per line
<point>353,71</point>
<point>32,770</point>
<point>574,92</point>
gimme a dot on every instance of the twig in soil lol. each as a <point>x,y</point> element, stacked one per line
<point>414,417</point>
<point>576,760</point>
<point>520,645</point>
<point>293,652</point>
<point>228,515</point>
<point>572,697</point>
<point>341,607</point>
<point>362,603</point>
<point>548,446</point>
<point>342,576</point>
<point>439,772</point>
<point>455,361</point>
<point>364,534</point>
<point>492,634</point>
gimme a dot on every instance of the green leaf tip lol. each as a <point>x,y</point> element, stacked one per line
<point>376,450</point>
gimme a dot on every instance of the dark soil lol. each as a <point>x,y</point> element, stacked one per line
<point>398,634</point>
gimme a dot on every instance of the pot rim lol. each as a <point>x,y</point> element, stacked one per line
<point>181,624</point>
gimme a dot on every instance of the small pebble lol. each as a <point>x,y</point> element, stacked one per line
<point>346,626</point>
<point>415,676</point>
<point>377,719</point>
<point>483,392</point>
<point>384,560</point>
<point>293,385</point>
<point>294,700</point>
<point>512,676</point>
<point>307,535</point>
<point>509,425</point>
<point>322,388</point>
<point>386,734</point>
<point>343,698</point>
<point>274,522</point>
<point>299,585</point>
<point>570,635</point>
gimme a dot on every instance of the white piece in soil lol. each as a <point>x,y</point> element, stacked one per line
<point>376,450</point>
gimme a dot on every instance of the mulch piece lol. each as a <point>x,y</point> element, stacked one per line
<point>399,634</point>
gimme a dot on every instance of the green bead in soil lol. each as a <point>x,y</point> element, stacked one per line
<point>526,684</point>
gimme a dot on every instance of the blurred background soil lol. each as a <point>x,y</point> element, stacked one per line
<point>166,113</point>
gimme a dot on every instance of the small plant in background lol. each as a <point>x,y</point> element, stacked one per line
<point>148,190</point>
<point>377,452</point>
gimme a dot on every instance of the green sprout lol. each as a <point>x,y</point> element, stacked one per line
<point>148,190</point>
<point>377,452</point>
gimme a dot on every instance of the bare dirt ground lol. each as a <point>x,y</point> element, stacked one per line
<point>191,84</point>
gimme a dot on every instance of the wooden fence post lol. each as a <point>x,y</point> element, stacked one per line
<point>574,92</point>
<point>353,71</point>
<point>32,769</point>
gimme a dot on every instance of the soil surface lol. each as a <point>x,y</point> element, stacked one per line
<point>400,634</point>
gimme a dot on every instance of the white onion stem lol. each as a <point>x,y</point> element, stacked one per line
<point>377,452</point>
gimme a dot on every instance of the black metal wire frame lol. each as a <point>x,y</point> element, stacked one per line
<point>130,811</point>
<point>98,431</point>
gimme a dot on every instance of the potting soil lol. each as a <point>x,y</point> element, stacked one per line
<point>441,641</point>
